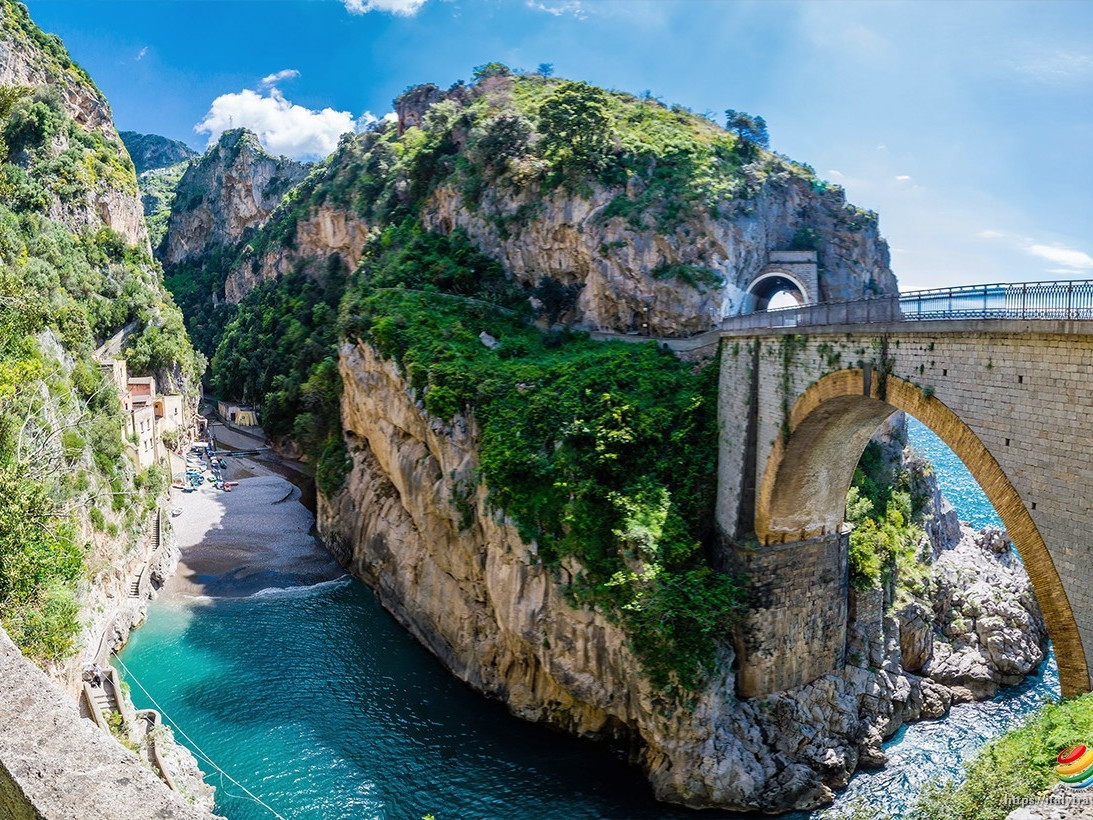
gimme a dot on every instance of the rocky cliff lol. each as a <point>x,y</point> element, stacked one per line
<point>414,522</point>
<point>74,504</point>
<point>151,151</point>
<point>30,57</point>
<point>665,226</point>
<point>324,233</point>
<point>95,185</point>
<point>230,192</point>
<point>681,282</point>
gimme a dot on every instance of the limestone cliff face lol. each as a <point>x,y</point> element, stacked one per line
<point>413,522</point>
<point>325,232</point>
<point>655,245</point>
<point>151,151</point>
<point>117,208</point>
<point>231,191</point>
<point>619,264</point>
<point>29,57</point>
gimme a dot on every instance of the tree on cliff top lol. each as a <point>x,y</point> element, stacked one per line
<point>748,128</point>
<point>575,126</point>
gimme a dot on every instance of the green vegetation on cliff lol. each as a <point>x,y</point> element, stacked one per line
<point>280,351</point>
<point>886,535</point>
<point>67,486</point>
<point>1019,764</point>
<point>17,28</point>
<point>157,194</point>
<point>603,453</point>
<point>195,198</point>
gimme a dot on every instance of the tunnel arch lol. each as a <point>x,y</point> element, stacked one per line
<point>803,489</point>
<point>771,283</point>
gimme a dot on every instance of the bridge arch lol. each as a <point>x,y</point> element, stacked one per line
<point>802,493</point>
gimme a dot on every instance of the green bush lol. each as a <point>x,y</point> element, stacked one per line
<point>333,465</point>
<point>885,534</point>
<point>1019,764</point>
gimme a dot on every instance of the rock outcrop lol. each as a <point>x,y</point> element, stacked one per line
<point>31,58</point>
<point>55,764</point>
<point>619,265</point>
<point>414,523</point>
<point>223,197</point>
<point>663,264</point>
<point>325,233</point>
<point>991,632</point>
<point>151,151</point>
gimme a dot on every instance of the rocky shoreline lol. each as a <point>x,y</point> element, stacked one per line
<point>109,632</point>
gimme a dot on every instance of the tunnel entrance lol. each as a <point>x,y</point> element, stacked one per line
<point>775,290</point>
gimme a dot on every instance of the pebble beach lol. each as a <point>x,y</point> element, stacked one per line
<point>238,543</point>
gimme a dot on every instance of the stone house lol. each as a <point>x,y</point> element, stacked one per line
<point>241,414</point>
<point>148,413</point>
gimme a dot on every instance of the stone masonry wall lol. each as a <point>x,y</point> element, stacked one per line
<point>795,630</point>
<point>1012,399</point>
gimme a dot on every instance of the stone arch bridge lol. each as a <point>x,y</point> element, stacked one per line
<point>1003,374</point>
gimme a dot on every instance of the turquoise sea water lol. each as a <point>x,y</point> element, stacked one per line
<point>318,702</point>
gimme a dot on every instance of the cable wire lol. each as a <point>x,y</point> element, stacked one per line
<point>197,749</point>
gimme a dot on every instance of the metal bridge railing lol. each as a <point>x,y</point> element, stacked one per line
<point>1021,300</point>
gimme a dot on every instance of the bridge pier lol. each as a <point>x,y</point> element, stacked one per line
<point>795,630</point>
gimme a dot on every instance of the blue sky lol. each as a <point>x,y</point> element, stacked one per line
<point>967,126</point>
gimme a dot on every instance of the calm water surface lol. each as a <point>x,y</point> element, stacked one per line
<point>319,703</point>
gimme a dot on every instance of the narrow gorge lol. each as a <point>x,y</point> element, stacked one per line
<point>485,326</point>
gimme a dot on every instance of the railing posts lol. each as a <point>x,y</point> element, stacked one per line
<point>1024,300</point>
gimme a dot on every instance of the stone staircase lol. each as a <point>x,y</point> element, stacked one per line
<point>103,702</point>
<point>104,698</point>
<point>135,582</point>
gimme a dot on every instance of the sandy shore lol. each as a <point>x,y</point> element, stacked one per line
<point>256,536</point>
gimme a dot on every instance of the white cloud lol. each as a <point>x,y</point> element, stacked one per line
<point>283,127</point>
<point>285,74</point>
<point>1073,259</point>
<point>559,7</point>
<point>903,178</point>
<point>142,52</point>
<point>405,8</point>
<point>368,119</point>
<point>1057,66</point>
<point>990,233</point>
